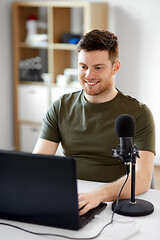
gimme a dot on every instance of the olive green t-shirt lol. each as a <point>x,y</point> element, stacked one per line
<point>87,132</point>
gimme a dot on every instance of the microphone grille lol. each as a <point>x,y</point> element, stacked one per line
<point>125,126</point>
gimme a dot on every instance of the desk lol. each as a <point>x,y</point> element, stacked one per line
<point>136,228</point>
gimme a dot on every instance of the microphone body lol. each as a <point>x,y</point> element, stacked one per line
<point>126,148</point>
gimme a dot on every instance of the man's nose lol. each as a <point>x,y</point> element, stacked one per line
<point>89,74</point>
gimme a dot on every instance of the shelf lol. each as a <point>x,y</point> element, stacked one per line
<point>61,17</point>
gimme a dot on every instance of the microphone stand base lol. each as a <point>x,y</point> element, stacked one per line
<point>139,208</point>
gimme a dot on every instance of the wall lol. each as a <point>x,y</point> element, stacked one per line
<point>6,128</point>
<point>137,25</point>
<point>136,22</point>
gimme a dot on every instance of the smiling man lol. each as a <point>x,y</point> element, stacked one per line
<point>84,122</point>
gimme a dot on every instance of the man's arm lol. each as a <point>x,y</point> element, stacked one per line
<point>109,192</point>
<point>45,147</point>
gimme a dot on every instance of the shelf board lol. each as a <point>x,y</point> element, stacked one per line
<point>49,84</point>
<point>33,83</point>
<point>52,4</point>
<point>56,46</point>
<point>63,46</point>
<point>26,45</point>
<point>30,123</point>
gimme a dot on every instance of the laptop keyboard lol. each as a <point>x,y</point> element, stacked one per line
<point>87,217</point>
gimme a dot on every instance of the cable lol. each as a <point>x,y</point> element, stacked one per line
<point>63,236</point>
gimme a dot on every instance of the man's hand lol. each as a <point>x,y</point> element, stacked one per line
<point>88,201</point>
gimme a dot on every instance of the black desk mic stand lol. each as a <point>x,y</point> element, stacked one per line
<point>131,206</point>
<point>133,165</point>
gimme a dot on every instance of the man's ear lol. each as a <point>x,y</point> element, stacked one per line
<point>116,66</point>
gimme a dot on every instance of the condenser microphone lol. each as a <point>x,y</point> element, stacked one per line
<point>127,152</point>
<point>125,130</point>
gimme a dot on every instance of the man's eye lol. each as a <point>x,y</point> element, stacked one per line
<point>83,67</point>
<point>98,68</point>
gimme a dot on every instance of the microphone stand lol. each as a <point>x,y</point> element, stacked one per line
<point>131,206</point>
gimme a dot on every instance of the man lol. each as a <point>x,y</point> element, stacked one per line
<point>84,122</point>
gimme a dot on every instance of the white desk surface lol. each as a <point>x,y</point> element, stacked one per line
<point>130,228</point>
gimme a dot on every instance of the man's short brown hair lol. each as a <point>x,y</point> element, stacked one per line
<point>100,40</point>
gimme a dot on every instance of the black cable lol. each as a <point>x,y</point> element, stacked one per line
<point>62,236</point>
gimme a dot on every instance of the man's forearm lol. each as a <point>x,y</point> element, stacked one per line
<point>110,191</point>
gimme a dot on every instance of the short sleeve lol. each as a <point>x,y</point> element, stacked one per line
<point>50,129</point>
<point>145,130</point>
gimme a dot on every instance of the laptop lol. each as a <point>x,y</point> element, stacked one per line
<point>41,189</point>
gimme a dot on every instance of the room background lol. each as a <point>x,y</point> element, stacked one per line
<point>136,22</point>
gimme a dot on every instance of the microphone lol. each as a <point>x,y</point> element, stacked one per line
<point>125,130</point>
<point>127,152</point>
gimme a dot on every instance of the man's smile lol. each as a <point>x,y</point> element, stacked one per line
<point>91,83</point>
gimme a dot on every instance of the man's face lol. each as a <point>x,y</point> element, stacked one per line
<point>95,72</point>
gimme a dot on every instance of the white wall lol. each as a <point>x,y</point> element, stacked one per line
<point>6,118</point>
<point>136,22</point>
<point>137,25</point>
